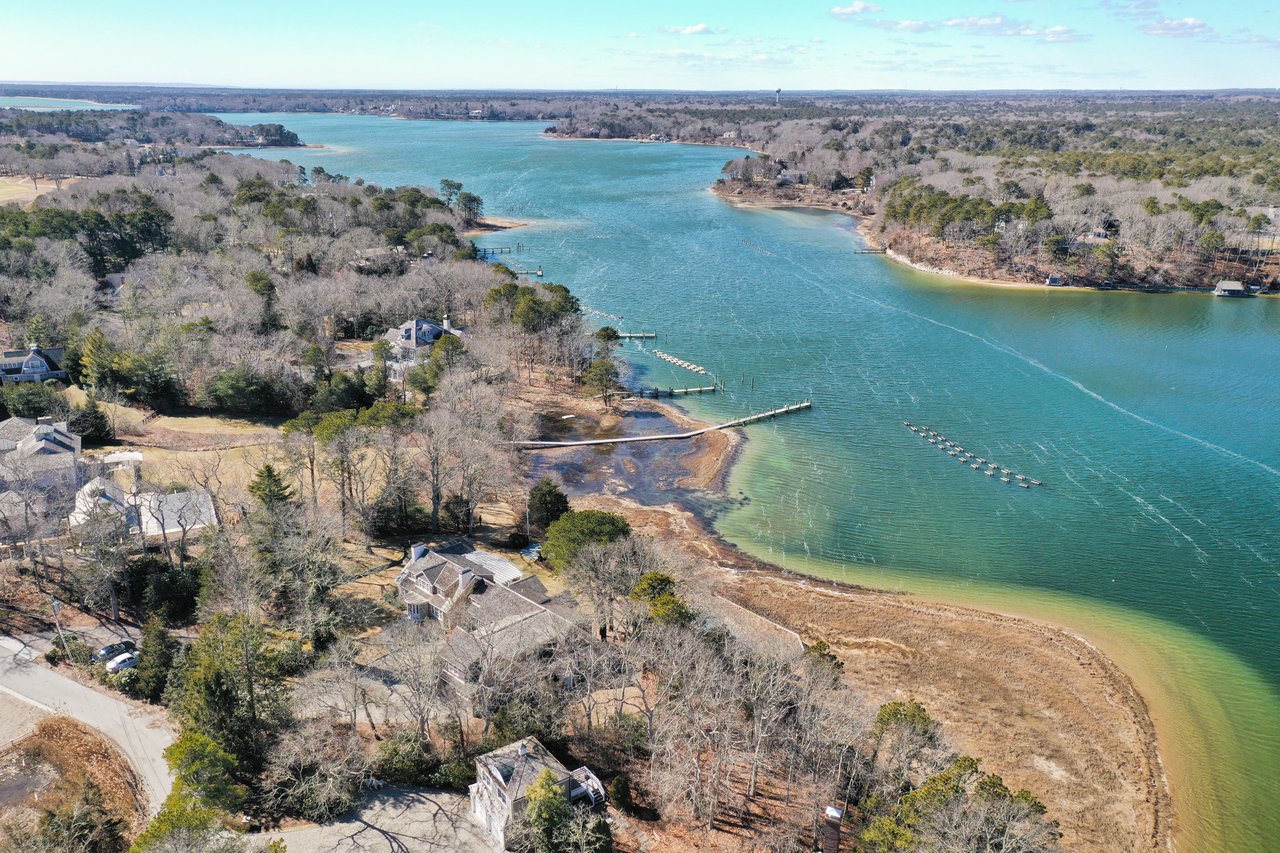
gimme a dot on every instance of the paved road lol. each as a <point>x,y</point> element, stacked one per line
<point>395,820</point>
<point>141,733</point>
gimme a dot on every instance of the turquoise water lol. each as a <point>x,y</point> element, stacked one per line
<point>1148,418</point>
<point>46,104</point>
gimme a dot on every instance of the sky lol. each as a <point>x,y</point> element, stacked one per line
<point>656,44</point>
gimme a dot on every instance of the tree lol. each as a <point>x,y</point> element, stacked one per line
<point>449,190</point>
<point>546,503</point>
<point>90,421</point>
<point>270,489</point>
<point>205,770</point>
<point>155,659</point>
<point>470,208</point>
<point>572,531</point>
<point>601,378</point>
<point>233,691</point>
<point>546,812</point>
<point>264,288</point>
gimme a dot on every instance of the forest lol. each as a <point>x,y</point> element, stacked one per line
<point>1147,190</point>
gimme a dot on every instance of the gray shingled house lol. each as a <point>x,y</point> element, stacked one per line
<point>503,778</point>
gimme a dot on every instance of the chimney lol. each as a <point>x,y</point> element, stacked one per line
<point>524,749</point>
<point>831,830</point>
<point>417,551</point>
<point>45,421</point>
<point>446,325</point>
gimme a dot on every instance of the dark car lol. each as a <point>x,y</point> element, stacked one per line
<point>114,650</point>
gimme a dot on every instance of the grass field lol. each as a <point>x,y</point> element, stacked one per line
<point>16,189</point>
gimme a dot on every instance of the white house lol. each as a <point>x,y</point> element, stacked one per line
<point>152,514</point>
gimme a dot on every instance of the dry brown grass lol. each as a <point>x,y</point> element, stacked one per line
<point>77,753</point>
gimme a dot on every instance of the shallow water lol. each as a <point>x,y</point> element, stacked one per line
<point>1147,417</point>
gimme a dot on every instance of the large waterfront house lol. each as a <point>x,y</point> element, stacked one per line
<point>417,335</point>
<point>489,609</point>
<point>503,777</point>
<point>32,365</point>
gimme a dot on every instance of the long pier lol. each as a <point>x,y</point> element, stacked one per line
<point>676,436</point>
<point>638,336</point>
<point>670,392</point>
<point>484,251</point>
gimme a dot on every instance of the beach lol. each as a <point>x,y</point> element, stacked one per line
<point>1040,706</point>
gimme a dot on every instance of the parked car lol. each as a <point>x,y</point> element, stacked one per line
<point>128,660</point>
<point>113,651</point>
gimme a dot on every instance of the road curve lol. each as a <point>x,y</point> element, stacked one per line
<point>141,733</point>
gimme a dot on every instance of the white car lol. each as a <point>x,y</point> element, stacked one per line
<point>128,660</point>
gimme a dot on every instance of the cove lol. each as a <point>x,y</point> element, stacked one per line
<point>1146,416</point>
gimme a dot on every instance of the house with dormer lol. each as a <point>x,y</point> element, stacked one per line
<point>417,336</point>
<point>34,364</point>
<point>499,795</point>
<point>488,608</point>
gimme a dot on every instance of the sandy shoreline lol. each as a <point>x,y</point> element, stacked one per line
<point>1041,706</point>
<point>490,224</point>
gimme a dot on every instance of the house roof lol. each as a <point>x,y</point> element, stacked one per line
<point>418,332</point>
<point>13,360</point>
<point>518,765</point>
<point>493,616</point>
<point>153,513</point>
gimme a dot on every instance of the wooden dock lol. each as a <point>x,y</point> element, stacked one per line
<point>494,250</point>
<point>869,251</point>
<point>677,436</point>
<point>669,392</point>
<point>638,336</point>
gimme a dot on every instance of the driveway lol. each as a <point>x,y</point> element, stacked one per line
<point>141,733</point>
<point>395,820</point>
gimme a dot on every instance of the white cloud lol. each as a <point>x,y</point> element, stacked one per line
<point>857,7</point>
<point>691,30</point>
<point>1178,28</point>
<point>983,25</point>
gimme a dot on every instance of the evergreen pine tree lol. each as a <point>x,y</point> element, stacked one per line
<point>270,488</point>
<point>90,421</point>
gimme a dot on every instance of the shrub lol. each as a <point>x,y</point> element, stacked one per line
<point>76,651</point>
<point>405,758</point>
<point>455,775</point>
<point>573,530</point>
<point>620,793</point>
<point>126,681</point>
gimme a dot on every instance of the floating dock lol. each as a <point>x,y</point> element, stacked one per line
<point>679,362</point>
<point>1007,475</point>
<point>677,436</point>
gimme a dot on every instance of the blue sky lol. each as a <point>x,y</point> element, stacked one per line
<point>659,44</point>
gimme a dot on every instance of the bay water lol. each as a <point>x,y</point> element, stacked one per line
<point>1148,418</point>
